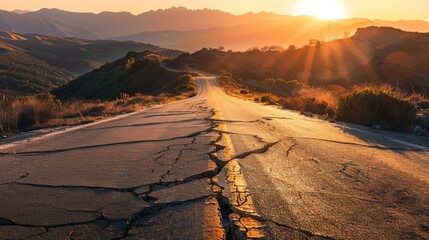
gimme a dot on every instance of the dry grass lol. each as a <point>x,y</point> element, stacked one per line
<point>301,98</point>
<point>41,111</point>
<point>395,109</point>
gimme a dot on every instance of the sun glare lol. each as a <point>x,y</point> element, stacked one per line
<point>323,9</point>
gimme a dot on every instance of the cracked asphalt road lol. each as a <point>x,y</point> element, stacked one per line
<point>216,167</point>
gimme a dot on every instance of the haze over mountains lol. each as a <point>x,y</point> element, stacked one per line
<point>191,30</point>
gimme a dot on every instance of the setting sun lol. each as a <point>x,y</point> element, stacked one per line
<point>323,9</point>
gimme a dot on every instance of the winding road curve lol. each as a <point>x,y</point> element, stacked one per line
<point>216,167</point>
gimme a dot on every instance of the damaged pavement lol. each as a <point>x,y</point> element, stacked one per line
<point>215,167</point>
<point>163,172</point>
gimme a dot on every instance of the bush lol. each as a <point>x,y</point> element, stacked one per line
<point>265,98</point>
<point>26,112</point>
<point>96,110</point>
<point>289,87</point>
<point>32,112</point>
<point>317,107</point>
<point>423,119</point>
<point>256,99</point>
<point>313,100</point>
<point>382,107</point>
<point>8,117</point>
<point>191,95</point>
<point>244,92</point>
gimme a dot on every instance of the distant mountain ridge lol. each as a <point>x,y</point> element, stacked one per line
<point>109,24</point>
<point>191,30</point>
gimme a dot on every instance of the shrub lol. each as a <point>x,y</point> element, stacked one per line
<point>256,99</point>
<point>423,119</point>
<point>95,110</point>
<point>244,92</point>
<point>32,111</point>
<point>8,117</point>
<point>314,100</point>
<point>382,107</point>
<point>265,98</point>
<point>317,107</point>
<point>25,112</point>
<point>321,95</point>
<point>289,87</point>
<point>121,102</point>
<point>161,98</point>
<point>291,103</point>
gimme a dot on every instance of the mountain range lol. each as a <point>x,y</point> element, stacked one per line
<point>191,30</point>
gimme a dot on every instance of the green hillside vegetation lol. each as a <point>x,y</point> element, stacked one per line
<point>31,63</point>
<point>134,73</point>
<point>21,73</point>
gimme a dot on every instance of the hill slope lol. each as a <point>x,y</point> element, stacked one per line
<point>32,63</point>
<point>22,73</point>
<point>375,55</point>
<point>134,73</point>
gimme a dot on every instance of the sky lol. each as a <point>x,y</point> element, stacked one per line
<point>374,9</point>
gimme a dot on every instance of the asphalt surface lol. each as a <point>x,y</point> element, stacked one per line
<point>216,167</point>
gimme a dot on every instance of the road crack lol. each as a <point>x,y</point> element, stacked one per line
<point>305,232</point>
<point>237,207</point>
<point>422,149</point>
<point>291,148</point>
<point>103,145</point>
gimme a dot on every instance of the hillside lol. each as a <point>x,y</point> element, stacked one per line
<point>31,63</point>
<point>374,55</point>
<point>191,30</point>
<point>22,73</point>
<point>134,73</point>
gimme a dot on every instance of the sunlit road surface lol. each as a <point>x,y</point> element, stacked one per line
<point>216,167</point>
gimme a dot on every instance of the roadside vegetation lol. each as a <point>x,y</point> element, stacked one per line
<point>370,105</point>
<point>44,110</point>
<point>375,106</point>
<point>128,84</point>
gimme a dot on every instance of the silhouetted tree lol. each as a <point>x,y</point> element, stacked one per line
<point>346,34</point>
<point>292,47</point>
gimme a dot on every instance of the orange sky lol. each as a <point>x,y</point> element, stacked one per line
<point>376,9</point>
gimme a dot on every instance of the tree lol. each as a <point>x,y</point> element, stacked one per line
<point>315,42</point>
<point>292,47</point>
<point>346,34</point>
